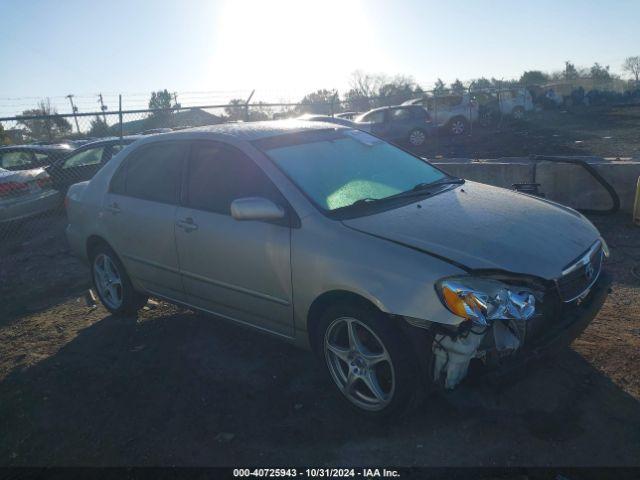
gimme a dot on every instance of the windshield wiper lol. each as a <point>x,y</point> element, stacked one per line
<point>424,188</point>
<point>364,201</point>
<point>444,181</point>
<point>419,190</point>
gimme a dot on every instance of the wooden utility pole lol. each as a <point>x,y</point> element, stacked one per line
<point>74,110</point>
<point>103,107</point>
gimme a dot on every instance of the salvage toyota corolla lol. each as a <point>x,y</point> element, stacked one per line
<point>398,275</point>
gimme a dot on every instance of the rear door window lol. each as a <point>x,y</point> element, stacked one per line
<point>91,156</point>
<point>152,173</point>
<point>400,114</point>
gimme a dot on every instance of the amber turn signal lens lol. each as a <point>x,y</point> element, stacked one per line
<point>454,302</point>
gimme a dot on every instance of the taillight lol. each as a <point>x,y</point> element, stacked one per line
<point>66,202</point>
<point>44,182</point>
<point>12,188</point>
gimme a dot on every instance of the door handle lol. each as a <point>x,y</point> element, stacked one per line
<point>114,208</point>
<point>188,225</point>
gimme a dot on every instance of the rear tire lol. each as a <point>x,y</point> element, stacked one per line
<point>375,373</point>
<point>112,283</point>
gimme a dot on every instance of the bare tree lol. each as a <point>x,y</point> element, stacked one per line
<point>50,127</point>
<point>632,66</point>
<point>367,84</point>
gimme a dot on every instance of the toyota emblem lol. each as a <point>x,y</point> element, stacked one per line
<point>588,271</point>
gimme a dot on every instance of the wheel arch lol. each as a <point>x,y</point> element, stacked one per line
<point>323,301</point>
<point>94,241</point>
<point>458,117</point>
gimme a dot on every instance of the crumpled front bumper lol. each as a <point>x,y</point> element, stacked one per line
<point>572,323</point>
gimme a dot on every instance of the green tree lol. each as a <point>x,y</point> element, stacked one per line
<point>356,101</point>
<point>600,74</point>
<point>481,83</point>
<point>163,100</point>
<point>49,128</point>
<point>322,102</point>
<point>457,87</point>
<point>258,112</point>
<point>4,138</point>
<point>570,71</point>
<point>163,104</point>
<point>398,90</point>
<point>533,77</point>
<point>439,88</point>
<point>236,110</point>
<point>99,128</point>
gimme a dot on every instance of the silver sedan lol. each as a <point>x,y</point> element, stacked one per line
<point>25,193</point>
<point>399,276</point>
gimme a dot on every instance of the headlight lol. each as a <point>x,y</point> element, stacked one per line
<point>483,300</point>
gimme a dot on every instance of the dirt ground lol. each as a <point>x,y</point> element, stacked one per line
<point>600,131</point>
<point>80,387</point>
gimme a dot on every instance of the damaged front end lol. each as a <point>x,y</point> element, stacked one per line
<point>496,314</point>
<point>509,319</point>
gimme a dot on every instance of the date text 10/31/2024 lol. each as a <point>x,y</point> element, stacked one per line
<point>316,472</point>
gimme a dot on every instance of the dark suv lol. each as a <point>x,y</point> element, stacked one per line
<point>405,123</point>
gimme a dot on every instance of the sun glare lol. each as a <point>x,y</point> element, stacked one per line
<point>290,44</point>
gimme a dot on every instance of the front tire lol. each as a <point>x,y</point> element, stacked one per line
<point>458,126</point>
<point>112,283</point>
<point>417,137</point>
<point>367,359</point>
<point>518,113</point>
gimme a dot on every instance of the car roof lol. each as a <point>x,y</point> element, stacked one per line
<point>39,148</point>
<point>126,138</point>
<point>251,131</point>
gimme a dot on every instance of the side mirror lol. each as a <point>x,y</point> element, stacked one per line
<point>256,208</point>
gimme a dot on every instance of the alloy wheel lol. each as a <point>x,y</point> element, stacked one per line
<point>457,127</point>
<point>417,138</point>
<point>359,364</point>
<point>108,281</point>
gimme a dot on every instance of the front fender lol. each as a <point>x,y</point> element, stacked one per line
<point>327,256</point>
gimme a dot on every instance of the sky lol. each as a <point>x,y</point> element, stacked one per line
<point>214,50</point>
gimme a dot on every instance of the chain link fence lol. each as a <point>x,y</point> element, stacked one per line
<point>43,155</point>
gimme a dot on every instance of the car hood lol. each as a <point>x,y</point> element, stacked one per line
<point>483,227</point>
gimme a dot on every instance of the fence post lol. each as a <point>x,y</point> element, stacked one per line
<point>471,112</point>
<point>437,127</point>
<point>120,115</point>
<point>246,106</point>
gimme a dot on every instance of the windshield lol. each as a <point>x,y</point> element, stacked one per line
<point>341,168</point>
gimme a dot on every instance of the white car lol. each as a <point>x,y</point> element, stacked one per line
<point>453,112</point>
<point>515,102</point>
